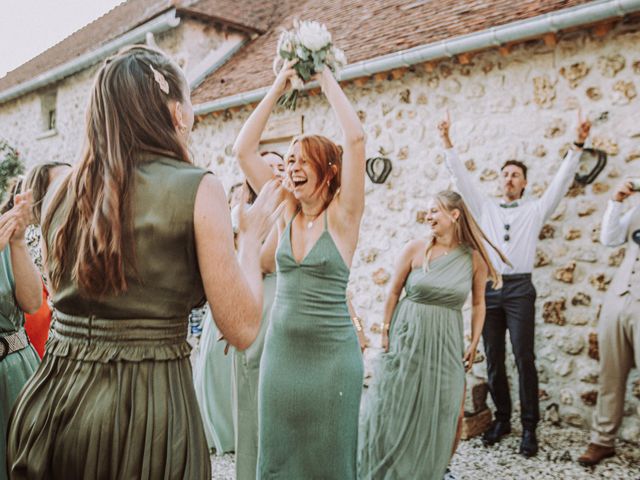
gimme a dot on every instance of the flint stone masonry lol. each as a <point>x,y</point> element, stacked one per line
<point>524,106</point>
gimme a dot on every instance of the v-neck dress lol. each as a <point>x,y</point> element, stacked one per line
<point>311,372</point>
<point>411,411</point>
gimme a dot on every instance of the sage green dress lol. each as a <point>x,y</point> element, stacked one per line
<point>113,397</point>
<point>213,378</point>
<point>247,374</point>
<point>311,372</point>
<point>410,413</point>
<point>17,367</point>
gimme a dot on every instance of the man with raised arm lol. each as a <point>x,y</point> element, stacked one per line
<point>619,325</point>
<point>513,225</point>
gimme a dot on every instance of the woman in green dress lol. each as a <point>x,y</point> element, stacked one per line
<point>135,237</point>
<point>20,292</point>
<point>411,414</point>
<point>311,370</point>
<point>247,362</point>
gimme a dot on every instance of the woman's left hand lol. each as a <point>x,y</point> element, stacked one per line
<point>22,215</point>
<point>469,357</point>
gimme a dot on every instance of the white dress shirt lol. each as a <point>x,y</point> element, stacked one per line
<point>521,223</point>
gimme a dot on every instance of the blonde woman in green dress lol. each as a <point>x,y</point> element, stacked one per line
<point>311,370</point>
<point>410,420</point>
<point>134,238</point>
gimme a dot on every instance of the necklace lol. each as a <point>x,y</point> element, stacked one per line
<point>310,222</point>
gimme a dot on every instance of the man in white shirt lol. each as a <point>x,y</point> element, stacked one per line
<point>513,225</point>
<point>619,325</point>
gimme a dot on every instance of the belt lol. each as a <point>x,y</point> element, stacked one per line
<point>13,343</point>
<point>516,276</point>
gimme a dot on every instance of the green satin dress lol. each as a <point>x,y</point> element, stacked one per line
<point>213,379</point>
<point>410,413</point>
<point>17,367</point>
<point>311,373</point>
<point>113,397</point>
<point>247,374</point>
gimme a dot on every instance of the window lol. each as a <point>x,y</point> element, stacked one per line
<point>48,109</point>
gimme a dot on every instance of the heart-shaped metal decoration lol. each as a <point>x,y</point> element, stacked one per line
<point>635,236</point>
<point>378,169</point>
<point>594,159</point>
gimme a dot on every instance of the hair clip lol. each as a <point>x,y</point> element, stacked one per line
<point>159,78</point>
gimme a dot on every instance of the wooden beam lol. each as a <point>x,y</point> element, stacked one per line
<point>380,76</point>
<point>429,67</point>
<point>361,82</point>
<point>550,39</point>
<point>398,73</point>
<point>602,29</point>
<point>465,58</point>
<point>505,49</point>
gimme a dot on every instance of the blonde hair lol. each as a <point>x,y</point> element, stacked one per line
<point>468,233</point>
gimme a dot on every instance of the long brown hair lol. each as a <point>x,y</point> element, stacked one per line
<point>128,115</point>
<point>468,233</point>
<point>37,180</point>
<point>325,158</point>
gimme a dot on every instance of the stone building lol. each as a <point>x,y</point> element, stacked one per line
<point>512,74</point>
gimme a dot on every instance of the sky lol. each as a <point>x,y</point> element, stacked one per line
<point>29,27</point>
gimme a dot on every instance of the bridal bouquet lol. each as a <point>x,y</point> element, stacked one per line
<point>310,43</point>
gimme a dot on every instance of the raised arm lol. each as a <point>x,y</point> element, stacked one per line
<point>398,279</point>
<point>245,148</point>
<point>351,196</point>
<point>473,197</point>
<point>615,225</point>
<point>27,277</point>
<point>233,286</point>
<point>564,177</point>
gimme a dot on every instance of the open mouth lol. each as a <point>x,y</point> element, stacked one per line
<point>299,182</point>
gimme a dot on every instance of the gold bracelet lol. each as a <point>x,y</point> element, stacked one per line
<point>357,323</point>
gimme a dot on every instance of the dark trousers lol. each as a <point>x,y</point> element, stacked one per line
<point>512,308</point>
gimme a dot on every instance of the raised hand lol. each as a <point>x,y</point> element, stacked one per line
<point>443,128</point>
<point>286,75</point>
<point>7,227</point>
<point>625,190</point>
<point>584,127</point>
<point>22,214</point>
<point>257,220</point>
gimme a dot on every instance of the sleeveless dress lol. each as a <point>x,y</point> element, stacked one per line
<point>113,397</point>
<point>311,373</point>
<point>16,368</point>
<point>246,376</point>
<point>212,378</point>
<point>410,413</point>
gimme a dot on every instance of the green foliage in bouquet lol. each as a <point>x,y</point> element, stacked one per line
<point>10,166</point>
<point>310,43</point>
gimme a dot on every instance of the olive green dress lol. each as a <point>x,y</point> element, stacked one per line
<point>311,372</point>
<point>17,367</point>
<point>247,374</point>
<point>114,397</point>
<point>410,413</point>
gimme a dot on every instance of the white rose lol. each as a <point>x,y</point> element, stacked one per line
<point>286,42</point>
<point>313,35</point>
<point>340,57</point>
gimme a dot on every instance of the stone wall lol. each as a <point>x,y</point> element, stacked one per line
<point>523,105</point>
<point>21,120</point>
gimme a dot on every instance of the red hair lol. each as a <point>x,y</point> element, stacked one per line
<point>323,155</point>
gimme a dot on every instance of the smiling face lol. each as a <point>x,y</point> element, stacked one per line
<point>513,182</point>
<point>440,220</point>
<point>302,174</point>
<point>275,162</point>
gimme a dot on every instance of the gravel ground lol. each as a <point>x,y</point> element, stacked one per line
<point>559,448</point>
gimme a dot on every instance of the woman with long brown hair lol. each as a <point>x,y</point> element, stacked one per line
<point>411,416</point>
<point>311,370</point>
<point>134,238</point>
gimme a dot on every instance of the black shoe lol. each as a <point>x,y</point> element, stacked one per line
<point>497,430</point>
<point>529,443</point>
